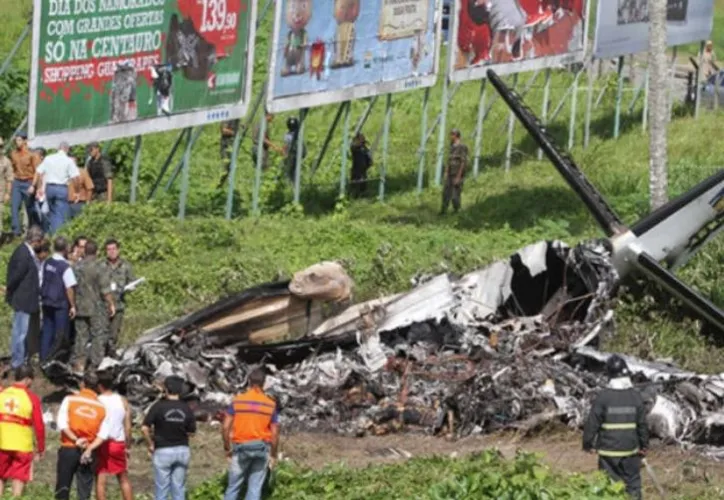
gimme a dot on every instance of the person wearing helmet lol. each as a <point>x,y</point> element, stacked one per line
<point>616,428</point>
<point>290,146</point>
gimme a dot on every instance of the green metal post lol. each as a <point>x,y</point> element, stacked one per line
<point>345,150</point>
<point>479,128</point>
<point>698,81</point>
<point>385,142</point>
<point>511,128</point>
<point>259,165</point>
<point>544,111</point>
<point>232,172</point>
<point>423,143</point>
<point>619,91</point>
<point>300,156</point>
<point>670,83</point>
<point>328,139</point>
<point>185,179</point>
<point>574,109</point>
<point>14,50</point>
<point>136,167</point>
<point>443,122</point>
<point>589,106</point>
<point>167,163</point>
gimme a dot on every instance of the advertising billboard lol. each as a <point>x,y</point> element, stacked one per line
<point>327,51</point>
<point>103,69</point>
<point>622,26</point>
<point>510,36</point>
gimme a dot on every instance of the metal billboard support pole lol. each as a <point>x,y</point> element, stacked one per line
<point>544,111</point>
<point>328,139</point>
<point>136,166</point>
<point>232,171</point>
<point>166,163</point>
<point>574,105</point>
<point>670,84</point>
<point>635,98</point>
<point>698,81</point>
<point>511,127</point>
<point>385,142</point>
<point>522,94</point>
<point>441,131</point>
<point>300,156</point>
<point>645,117</point>
<point>589,105</point>
<point>345,149</point>
<point>258,168</point>
<point>619,91</point>
<point>192,137</point>
<point>14,50</point>
<point>570,88</point>
<point>423,142</point>
<point>185,180</point>
<point>479,128</point>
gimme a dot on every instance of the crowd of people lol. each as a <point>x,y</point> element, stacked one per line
<point>48,190</point>
<point>95,426</point>
<point>77,299</point>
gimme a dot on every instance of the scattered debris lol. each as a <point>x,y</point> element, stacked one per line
<point>511,346</point>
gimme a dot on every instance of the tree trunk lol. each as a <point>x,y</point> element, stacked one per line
<point>658,104</point>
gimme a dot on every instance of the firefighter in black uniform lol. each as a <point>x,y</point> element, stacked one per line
<point>616,428</point>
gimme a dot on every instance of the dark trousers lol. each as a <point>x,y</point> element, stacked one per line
<point>54,331</point>
<point>452,193</point>
<point>76,209</point>
<point>69,466</point>
<point>625,469</point>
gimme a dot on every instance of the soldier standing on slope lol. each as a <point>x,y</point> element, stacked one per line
<point>454,173</point>
<point>120,274</point>
<point>616,428</point>
<point>95,307</point>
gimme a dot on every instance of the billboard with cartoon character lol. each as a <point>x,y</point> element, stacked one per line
<point>510,36</point>
<point>112,68</point>
<point>327,51</point>
<point>622,26</point>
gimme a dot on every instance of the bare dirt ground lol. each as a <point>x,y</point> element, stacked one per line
<point>682,474</point>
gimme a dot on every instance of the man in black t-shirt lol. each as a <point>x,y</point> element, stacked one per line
<point>167,428</point>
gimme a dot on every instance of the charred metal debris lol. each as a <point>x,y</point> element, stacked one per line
<point>508,346</point>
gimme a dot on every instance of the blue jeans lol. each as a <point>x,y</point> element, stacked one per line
<point>21,323</point>
<point>169,470</point>
<point>57,196</point>
<point>76,209</point>
<point>55,329</point>
<point>248,461</point>
<point>19,197</point>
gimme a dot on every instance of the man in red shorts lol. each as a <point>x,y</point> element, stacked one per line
<point>113,441</point>
<point>20,416</point>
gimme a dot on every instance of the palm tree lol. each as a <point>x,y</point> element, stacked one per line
<point>658,104</point>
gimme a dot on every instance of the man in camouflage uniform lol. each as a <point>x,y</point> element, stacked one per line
<point>100,170</point>
<point>120,274</point>
<point>94,307</point>
<point>454,173</point>
<point>6,180</point>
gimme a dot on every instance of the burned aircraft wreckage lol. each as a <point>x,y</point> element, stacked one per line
<point>510,346</point>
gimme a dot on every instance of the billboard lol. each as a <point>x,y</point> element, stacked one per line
<point>510,36</point>
<point>327,51</point>
<point>103,69</point>
<point>622,26</point>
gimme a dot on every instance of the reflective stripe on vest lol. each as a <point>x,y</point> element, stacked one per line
<point>618,427</point>
<point>16,412</point>
<point>617,454</point>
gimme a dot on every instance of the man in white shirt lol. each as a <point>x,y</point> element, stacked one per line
<point>57,294</point>
<point>115,435</point>
<point>51,181</point>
